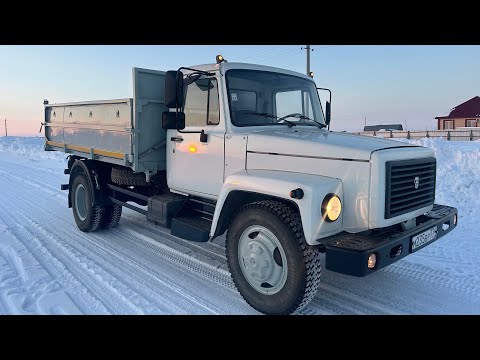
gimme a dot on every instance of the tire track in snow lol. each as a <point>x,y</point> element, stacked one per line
<point>52,246</point>
<point>208,249</point>
<point>132,274</point>
<point>337,294</point>
<point>181,257</point>
<point>419,272</point>
<point>105,283</point>
<point>57,271</point>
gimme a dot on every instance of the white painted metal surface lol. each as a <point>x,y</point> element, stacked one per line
<point>355,177</point>
<point>195,167</point>
<point>272,160</point>
<point>313,142</point>
<point>235,153</point>
<point>279,184</point>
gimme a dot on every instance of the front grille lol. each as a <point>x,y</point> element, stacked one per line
<point>403,194</point>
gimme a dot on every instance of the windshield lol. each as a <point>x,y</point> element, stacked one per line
<point>259,98</point>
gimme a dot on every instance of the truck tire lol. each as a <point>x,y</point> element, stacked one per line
<point>87,217</point>
<point>272,266</point>
<point>128,177</point>
<point>111,216</point>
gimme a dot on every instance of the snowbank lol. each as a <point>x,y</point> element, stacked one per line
<point>458,175</point>
<point>31,147</point>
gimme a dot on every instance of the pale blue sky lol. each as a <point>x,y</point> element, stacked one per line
<point>387,84</point>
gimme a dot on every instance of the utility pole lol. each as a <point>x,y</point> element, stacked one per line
<point>308,59</point>
<point>308,48</point>
<point>6,133</point>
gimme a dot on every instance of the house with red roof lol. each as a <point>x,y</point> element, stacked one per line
<point>464,115</point>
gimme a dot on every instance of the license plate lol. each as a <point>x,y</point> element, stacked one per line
<point>424,238</point>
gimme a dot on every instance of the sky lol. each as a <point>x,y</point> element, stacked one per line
<point>383,84</point>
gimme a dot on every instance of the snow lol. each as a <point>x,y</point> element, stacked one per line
<point>48,266</point>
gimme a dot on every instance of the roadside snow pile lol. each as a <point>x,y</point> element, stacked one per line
<point>458,175</point>
<point>28,146</point>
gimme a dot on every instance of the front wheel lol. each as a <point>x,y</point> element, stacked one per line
<point>271,265</point>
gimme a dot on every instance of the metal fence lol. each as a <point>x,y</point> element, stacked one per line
<point>459,135</point>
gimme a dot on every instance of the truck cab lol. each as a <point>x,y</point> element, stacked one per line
<point>249,153</point>
<point>232,102</point>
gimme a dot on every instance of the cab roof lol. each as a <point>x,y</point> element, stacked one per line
<point>224,66</point>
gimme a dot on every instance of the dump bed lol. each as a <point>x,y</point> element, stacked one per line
<point>125,132</point>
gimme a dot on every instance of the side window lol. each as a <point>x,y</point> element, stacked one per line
<point>288,102</point>
<point>449,125</point>
<point>471,122</point>
<point>201,103</point>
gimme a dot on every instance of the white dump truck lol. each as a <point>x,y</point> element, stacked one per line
<point>246,150</point>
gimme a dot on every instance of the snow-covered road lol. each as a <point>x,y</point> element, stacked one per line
<point>48,266</point>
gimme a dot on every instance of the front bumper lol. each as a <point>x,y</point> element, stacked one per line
<point>348,253</point>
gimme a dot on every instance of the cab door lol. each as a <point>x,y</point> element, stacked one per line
<point>196,167</point>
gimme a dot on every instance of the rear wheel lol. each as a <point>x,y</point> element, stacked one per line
<point>272,266</point>
<point>87,216</point>
<point>111,216</point>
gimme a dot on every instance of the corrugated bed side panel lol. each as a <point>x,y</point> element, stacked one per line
<point>99,126</point>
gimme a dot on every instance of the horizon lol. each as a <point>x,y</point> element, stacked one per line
<point>386,84</point>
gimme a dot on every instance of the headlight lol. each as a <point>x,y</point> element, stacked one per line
<point>331,207</point>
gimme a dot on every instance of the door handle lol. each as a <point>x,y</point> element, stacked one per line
<point>176,138</point>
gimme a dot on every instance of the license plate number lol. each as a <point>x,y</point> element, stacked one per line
<point>424,238</point>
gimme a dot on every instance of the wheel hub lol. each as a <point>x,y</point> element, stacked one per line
<point>258,248</point>
<point>259,264</point>
<point>81,202</point>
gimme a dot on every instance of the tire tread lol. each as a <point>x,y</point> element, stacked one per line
<point>111,216</point>
<point>311,255</point>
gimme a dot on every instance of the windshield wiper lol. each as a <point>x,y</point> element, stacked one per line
<point>302,117</point>
<point>271,116</point>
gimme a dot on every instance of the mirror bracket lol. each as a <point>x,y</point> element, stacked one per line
<point>203,137</point>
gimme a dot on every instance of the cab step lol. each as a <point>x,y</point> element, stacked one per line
<point>192,226</point>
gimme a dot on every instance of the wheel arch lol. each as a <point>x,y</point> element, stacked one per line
<point>92,172</point>
<point>238,198</point>
<point>245,186</point>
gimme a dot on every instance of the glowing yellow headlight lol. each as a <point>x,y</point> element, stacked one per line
<point>331,207</point>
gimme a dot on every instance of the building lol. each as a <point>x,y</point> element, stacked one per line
<point>461,116</point>
<point>386,127</point>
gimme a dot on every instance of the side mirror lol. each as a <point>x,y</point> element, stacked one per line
<point>327,112</point>
<point>174,89</point>
<point>171,121</point>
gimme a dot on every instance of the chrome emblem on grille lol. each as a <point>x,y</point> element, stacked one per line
<point>416,182</point>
